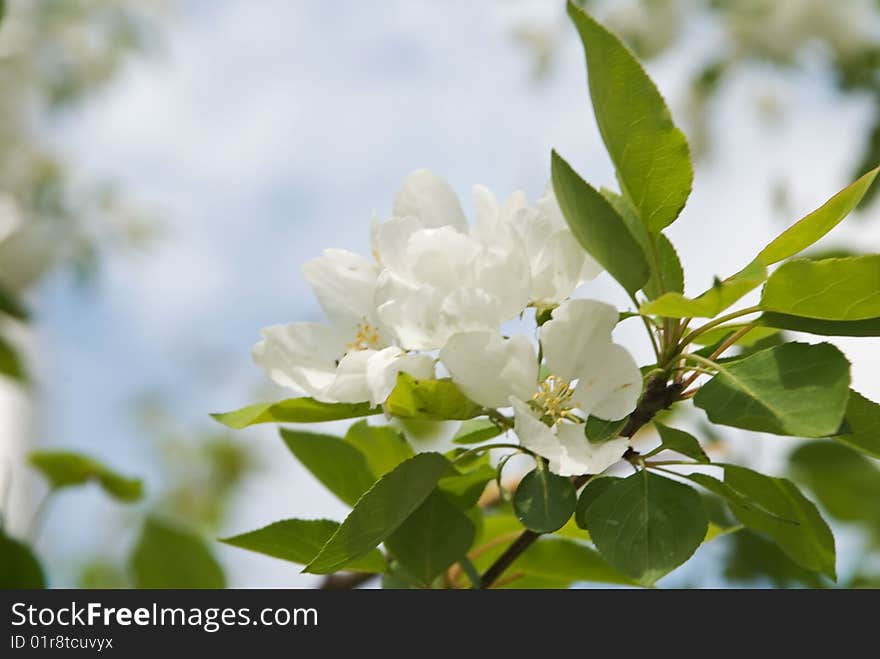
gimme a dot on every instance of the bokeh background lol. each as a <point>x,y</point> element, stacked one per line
<point>172,163</point>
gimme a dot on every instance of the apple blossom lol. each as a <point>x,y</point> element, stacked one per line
<point>588,372</point>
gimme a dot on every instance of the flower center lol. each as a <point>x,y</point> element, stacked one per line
<point>367,337</point>
<point>554,399</point>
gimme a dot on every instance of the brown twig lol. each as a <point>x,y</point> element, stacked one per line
<point>345,580</point>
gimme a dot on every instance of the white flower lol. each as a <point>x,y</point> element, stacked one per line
<point>438,277</point>
<point>28,245</point>
<point>588,372</point>
<point>557,262</point>
<point>350,360</point>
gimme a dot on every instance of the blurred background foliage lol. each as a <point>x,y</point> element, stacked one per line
<point>786,35</point>
<point>55,54</point>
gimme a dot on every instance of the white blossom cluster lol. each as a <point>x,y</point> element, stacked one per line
<point>431,303</point>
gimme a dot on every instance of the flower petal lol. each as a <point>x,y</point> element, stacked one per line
<point>490,369</point>
<point>536,436</point>
<point>345,284</point>
<point>424,317</point>
<point>609,386</point>
<point>384,366</point>
<point>431,199</point>
<point>350,383</point>
<point>578,334</point>
<point>580,456</point>
<point>302,356</point>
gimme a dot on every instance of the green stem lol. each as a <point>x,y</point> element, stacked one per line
<point>647,328</point>
<point>488,447</point>
<point>715,323</point>
<point>38,521</point>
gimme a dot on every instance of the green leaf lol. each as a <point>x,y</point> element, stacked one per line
<point>793,389</point>
<point>809,541</point>
<point>845,482</point>
<point>465,489</point>
<point>568,561</point>
<point>299,541</point>
<point>294,410</point>
<point>713,301</point>
<point>667,274</point>
<point>167,557</point>
<point>716,335</point>
<point>754,559</point>
<point>830,289</point>
<point>592,491</point>
<point>437,400</point>
<point>11,305</point>
<point>383,447</point>
<point>867,327</point>
<point>432,538</point>
<point>811,228</point>
<point>68,469</point>
<point>19,568</point>
<point>544,501</point>
<point>475,431</point>
<point>647,525</point>
<point>680,442</point>
<point>599,430</point>
<point>381,510</point>
<point>338,465</point>
<point>863,425</point>
<point>598,227</point>
<point>649,153</point>
<point>10,363</point>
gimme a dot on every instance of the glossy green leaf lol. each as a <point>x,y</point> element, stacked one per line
<point>647,525</point>
<point>299,541</point>
<point>294,410</point>
<point>381,510</point>
<point>67,469</point>
<point>863,425</point>
<point>544,501</point>
<point>811,228</point>
<point>598,227</point>
<point>11,305</point>
<point>19,567</point>
<point>713,301</point>
<point>830,289</point>
<point>433,537</point>
<point>10,362</point>
<point>592,491</point>
<point>599,430</point>
<point>383,447</point>
<point>792,389</point>
<point>337,464</point>
<point>168,557</point>
<point>649,153</point>
<point>679,441</point>
<point>808,541</point>
<point>475,431</point>
<point>437,400</point>
<point>867,327</point>
<point>845,482</point>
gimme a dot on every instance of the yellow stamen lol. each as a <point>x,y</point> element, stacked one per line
<point>367,337</point>
<point>554,399</point>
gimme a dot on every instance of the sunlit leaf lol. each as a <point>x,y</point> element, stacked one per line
<point>792,389</point>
